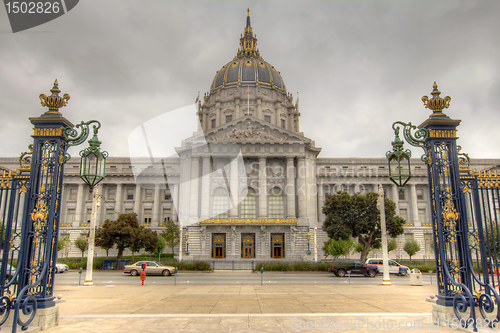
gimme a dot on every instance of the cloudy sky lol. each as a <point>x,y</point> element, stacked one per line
<point>358,66</point>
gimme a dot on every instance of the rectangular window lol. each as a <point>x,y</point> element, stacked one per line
<point>267,119</point>
<point>70,217</point>
<point>166,214</point>
<point>422,216</point>
<point>88,216</point>
<point>213,123</point>
<point>409,237</point>
<point>402,196</point>
<point>403,213</point>
<point>282,123</point>
<point>167,194</point>
<point>130,194</point>
<point>420,194</point>
<point>148,195</point>
<point>147,215</point>
<point>110,214</point>
<point>128,211</point>
<point>72,193</point>
<point>229,118</point>
<point>111,194</point>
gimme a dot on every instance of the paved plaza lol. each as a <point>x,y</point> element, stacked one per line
<point>245,308</point>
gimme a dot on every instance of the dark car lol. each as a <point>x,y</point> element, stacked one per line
<point>340,267</point>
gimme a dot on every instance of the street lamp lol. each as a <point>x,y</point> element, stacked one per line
<point>399,161</point>
<point>186,237</point>
<point>308,241</point>
<point>92,171</point>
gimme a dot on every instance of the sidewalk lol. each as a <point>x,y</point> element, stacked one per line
<point>245,308</point>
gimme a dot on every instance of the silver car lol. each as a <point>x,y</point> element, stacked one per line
<point>152,268</point>
<point>61,268</point>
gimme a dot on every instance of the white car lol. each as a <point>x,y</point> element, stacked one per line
<point>61,268</point>
<point>394,267</point>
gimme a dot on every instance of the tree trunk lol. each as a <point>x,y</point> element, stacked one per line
<point>133,256</point>
<point>82,255</point>
<point>107,253</point>
<point>364,253</point>
<point>120,254</point>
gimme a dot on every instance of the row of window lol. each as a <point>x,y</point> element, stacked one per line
<point>110,215</point>
<point>249,205</point>
<point>229,118</point>
<point>129,194</point>
<point>277,242</point>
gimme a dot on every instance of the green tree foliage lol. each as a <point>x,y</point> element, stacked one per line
<point>336,248</point>
<point>61,243</point>
<point>160,245</point>
<point>357,216</point>
<point>491,234</point>
<point>392,245</point>
<point>103,237</point>
<point>171,234</point>
<point>411,247</point>
<point>82,244</point>
<point>123,232</point>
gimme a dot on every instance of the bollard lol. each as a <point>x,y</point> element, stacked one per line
<point>80,278</point>
<point>261,274</point>
<point>349,273</point>
<point>430,274</point>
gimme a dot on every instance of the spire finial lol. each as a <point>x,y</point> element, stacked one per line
<point>248,42</point>
<point>248,11</point>
<point>436,103</point>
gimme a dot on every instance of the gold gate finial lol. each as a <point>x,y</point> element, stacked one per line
<point>54,101</point>
<point>436,103</point>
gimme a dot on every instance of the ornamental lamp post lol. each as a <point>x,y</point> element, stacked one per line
<point>399,161</point>
<point>186,237</point>
<point>308,241</point>
<point>92,171</point>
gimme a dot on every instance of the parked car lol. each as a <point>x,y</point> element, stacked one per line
<point>61,268</point>
<point>340,267</point>
<point>394,267</point>
<point>152,268</point>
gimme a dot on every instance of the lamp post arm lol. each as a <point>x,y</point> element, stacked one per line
<point>75,139</point>
<point>416,140</point>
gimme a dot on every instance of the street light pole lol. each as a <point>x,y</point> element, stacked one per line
<point>91,240</point>
<point>385,255</point>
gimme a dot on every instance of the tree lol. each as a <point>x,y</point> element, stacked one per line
<point>143,238</point>
<point>411,247</point>
<point>103,237</point>
<point>122,232</point>
<point>392,245</point>
<point>61,243</point>
<point>160,245</point>
<point>357,216</point>
<point>171,234</point>
<point>336,248</point>
<point>82,244</point>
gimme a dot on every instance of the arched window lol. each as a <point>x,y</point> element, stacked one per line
<point>220,203</point>
<point>249,205</point>
<point>276,203</point>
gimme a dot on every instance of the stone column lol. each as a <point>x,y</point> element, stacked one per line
<point>414,205</point>
<point>234,190</point>
<point>119,200</point>
<point>138,202</point>
<point>195,182</point>
<point>262,188</point>
<point>259,108</point>
<point>80,202</point>
<point>321,202</point>
<point>301,190</point>
<point>277,116</point>
<point>156,206</point>
<point>205,188</point>
<point>175,202</point>
<point>237,113</point>
<point>290,188</point>
<point>395,197</point>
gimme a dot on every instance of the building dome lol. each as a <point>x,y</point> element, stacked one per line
<point>248,68</point>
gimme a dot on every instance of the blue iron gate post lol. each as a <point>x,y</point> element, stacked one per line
<point>39,226</point>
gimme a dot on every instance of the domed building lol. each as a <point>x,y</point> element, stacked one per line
<point>248,186</point>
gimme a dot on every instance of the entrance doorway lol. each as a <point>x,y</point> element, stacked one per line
<point>248,245</point>
<point>277,245</point>
<point>218,245</point>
